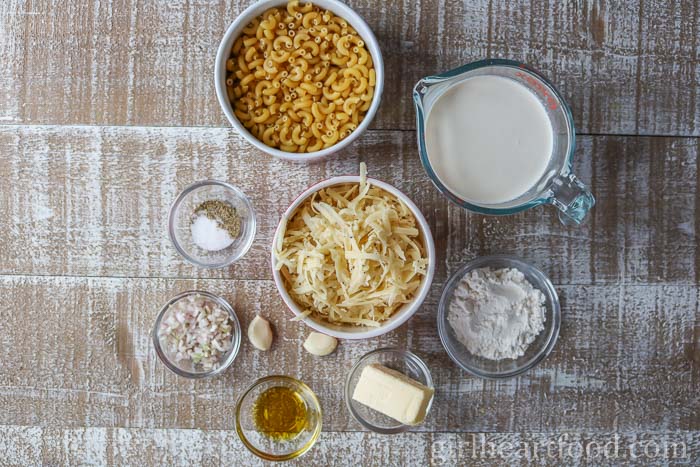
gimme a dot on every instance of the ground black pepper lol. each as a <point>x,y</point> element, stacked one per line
<point>223,213</point>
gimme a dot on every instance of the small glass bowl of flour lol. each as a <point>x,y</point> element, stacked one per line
<point>212,224</point>
<point>498,317</point>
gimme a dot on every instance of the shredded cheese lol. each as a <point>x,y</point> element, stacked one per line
<point>351,254</point>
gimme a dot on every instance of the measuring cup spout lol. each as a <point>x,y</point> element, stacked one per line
<point>572,198</point>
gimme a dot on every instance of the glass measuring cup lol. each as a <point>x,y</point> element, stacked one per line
<point>557,185</point>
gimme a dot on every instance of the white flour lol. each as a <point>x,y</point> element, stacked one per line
<point>496,314</point>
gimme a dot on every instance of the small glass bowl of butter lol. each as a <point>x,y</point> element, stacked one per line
<point>407,371</point>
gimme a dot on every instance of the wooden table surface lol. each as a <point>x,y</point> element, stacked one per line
<point>108,109</point>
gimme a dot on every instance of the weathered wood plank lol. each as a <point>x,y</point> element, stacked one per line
<point>79,382</point>
<point>132,62</point>
<point>668,55</point>
<point>77,352</point>
<point>93,201</point>
<point>28,446</point>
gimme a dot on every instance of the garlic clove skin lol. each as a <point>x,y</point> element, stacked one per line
<point>260,333</point>
<point>320,344</point>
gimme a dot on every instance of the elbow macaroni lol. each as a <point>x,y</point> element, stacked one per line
<point>300,79</point>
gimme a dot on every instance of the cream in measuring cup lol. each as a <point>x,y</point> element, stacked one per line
<point>488,139</point>
<point>497,138</point>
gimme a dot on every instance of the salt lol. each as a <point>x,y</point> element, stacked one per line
<point>207,234</point>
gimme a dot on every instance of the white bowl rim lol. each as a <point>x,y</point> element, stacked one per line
<point>405,312</point>
<point>339,9</point>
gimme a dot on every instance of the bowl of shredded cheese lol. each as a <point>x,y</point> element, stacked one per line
<point>353,257</point>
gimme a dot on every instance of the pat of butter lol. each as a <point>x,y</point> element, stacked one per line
<point>393,394</point>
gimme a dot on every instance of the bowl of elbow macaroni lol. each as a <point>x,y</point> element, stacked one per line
<point>299,80</point>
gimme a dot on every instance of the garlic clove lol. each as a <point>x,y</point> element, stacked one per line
<point>260,333</point>
<point>320,344</point>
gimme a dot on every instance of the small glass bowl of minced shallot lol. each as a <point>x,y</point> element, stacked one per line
<point>197,334</point>
<point>462,305</point>
<point>212,224</point>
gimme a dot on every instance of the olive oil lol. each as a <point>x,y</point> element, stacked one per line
<point>280,413</point>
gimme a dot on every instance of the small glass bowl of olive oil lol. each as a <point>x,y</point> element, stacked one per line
<point>278,418</point>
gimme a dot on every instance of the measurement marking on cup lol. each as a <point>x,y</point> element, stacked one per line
<point>539,87</point>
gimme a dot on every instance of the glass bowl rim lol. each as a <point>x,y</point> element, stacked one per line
<point>407,355</point>
<point>235,338</point>
<point>292,455</point>
<point>251,219</point>
<point>543,283</point>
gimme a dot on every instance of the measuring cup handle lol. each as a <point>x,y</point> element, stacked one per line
<point>572,198</point>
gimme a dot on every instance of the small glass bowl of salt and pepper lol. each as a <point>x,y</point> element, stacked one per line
<point>212,224</point>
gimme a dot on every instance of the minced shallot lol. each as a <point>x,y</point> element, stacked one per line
<point>197,329</point>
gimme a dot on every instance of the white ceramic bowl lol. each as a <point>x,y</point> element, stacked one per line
<point>255,10</point>
<point>402,314</point>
